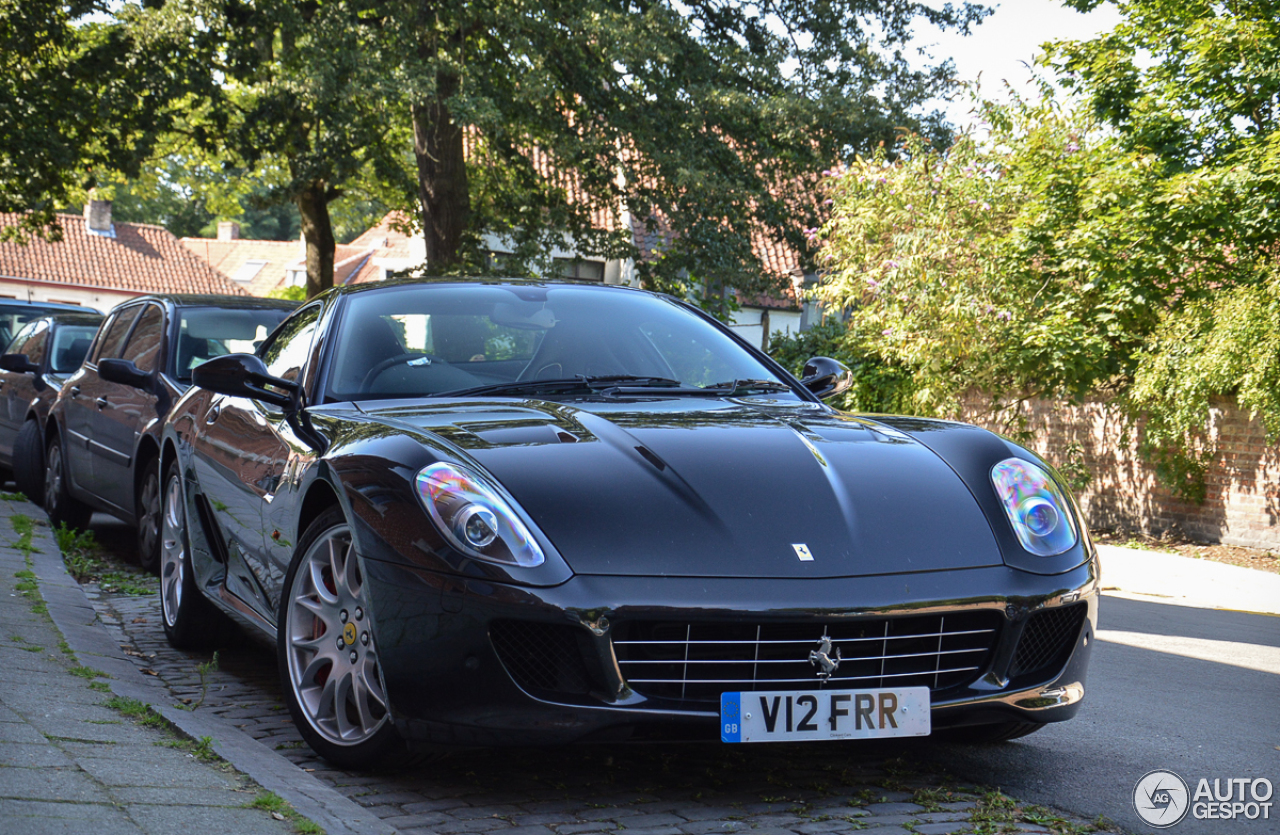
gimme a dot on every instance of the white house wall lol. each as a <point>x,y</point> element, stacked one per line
<point>746,323</point>
<point>44,291</point>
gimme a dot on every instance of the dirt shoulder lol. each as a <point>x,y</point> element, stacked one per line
<point>1230,554</point>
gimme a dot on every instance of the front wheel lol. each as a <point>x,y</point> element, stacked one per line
<point>328,652</point>
<point>148,515</point>
<point>28,462</point>
<point>190,621</point>
<point>62,507</point>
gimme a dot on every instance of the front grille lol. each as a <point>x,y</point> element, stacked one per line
<point>698,661</point>
<point>1047,639</point>
<point>544,657</point>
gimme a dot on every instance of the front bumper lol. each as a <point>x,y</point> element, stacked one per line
<point>448,683</point>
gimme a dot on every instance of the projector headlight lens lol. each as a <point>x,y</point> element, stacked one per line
<point>471,513</point>
<point>1036,508</point>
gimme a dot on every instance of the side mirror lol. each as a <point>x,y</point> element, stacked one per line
<point>123,372</point>
<point>826,377</point>
<point>18,363</point>
<point>244,375</point>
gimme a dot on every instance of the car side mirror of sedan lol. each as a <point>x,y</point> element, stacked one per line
<point>244,375</point>
<point>123,372</point>
<point>18,363</point>
<point>826,377</point>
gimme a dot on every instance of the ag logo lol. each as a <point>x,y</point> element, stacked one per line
<point>1161,798</point>
<point>802,551</point>
<point>349,633</point>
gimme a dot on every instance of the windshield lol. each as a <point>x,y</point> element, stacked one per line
<point>208,332</point>
<point>424,340</point>
<point>70,344</point>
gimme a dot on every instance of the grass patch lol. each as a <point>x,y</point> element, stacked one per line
<point>85,562</point>
<point>998,813</point>
<point>138,711</point>
<point>281,810</point>
<point>13,497</point>
<point>100,686</point>
<point>24,526</point>
<point>87,672</point>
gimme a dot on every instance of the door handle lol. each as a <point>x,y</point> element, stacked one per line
<point>102,402</point>
<point>214,411</point>
<point>75,391</point>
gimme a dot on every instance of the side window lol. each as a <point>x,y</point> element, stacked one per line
<point>144,344</point>
<point>19,342</point>
<point>37,341</point>
<point>111,340</point>
<point>287,352</point>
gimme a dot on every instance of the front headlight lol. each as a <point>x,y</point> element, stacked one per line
<point>469,510</point>
<point>1039,513</point>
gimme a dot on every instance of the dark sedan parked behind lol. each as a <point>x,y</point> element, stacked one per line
<point>38,360</point>
<point>517,513</point>
<point>102,444</point>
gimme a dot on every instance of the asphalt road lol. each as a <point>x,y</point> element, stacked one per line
<point>1195,691</point>
<point>1148,709</point>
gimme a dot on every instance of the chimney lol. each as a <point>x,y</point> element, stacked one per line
<point>97,218</point>
<point>228,230</point>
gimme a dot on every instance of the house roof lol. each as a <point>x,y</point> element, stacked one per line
<point>141,258</point>
<point>257,266</point>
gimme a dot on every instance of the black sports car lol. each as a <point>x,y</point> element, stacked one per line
<point>36,363</point>
<point>496,513</point>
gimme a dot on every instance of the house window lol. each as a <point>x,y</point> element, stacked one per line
<point>248,271</point>
<point>579,268</point>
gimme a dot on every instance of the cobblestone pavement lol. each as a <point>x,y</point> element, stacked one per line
<point>654,789</point>
<point>70,760</point>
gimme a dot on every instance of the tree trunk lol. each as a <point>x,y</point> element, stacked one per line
<point>442,177</point>
<point>317,231</point>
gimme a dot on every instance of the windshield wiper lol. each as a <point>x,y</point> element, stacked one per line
<point>732,387</point>
<point>565,384</point>
<point>615,385</point>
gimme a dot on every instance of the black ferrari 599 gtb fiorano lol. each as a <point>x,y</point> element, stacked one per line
<point>504,512</point>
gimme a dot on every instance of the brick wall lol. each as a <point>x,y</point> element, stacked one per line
<point>1242,506</point>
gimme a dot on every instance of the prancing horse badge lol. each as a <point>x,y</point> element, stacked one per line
<point>802,551</point>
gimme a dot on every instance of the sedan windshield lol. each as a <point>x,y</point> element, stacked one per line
<point>208,332</point>
<point>521,340</point>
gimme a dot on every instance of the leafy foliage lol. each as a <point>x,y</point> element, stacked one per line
<point>81,96</point>
<point>1121,243</point>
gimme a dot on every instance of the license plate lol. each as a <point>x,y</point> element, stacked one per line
<point>805,715</point>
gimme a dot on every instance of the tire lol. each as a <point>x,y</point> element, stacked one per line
<point>336,695</point>
<point>190,620</point>
<point>62,507</point>
<point>148,512</point>
<point>989,734</point>
<point>28,462</point>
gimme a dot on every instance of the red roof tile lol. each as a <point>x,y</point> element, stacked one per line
<point>141,258</point>
<point>233,256</point>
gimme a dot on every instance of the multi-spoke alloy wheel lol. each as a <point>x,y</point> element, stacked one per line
<point>63,509</point>
<point>190,621</point>
<point>173,552</point>
<point>329,650</point>
<point>149,510</point>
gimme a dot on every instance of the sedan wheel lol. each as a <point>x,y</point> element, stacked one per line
<point>148,515</point>
<point>329,652</point>
<point>62,507</point>
<point>190,621</point>
<point>28,462</point>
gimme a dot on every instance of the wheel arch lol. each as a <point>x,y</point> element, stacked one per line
<point>320,496</point>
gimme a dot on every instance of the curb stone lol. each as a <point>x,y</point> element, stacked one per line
<point>77,620</point>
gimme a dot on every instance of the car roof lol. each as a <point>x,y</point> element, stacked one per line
<point>492,281</point>
<point>51,306</point>
<point>211,300</point>
<point>75,318</point>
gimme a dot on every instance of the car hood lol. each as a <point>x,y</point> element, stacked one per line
<point>699,487</point>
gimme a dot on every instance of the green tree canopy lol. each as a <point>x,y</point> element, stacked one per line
<point>707,121</point>
<point>1121,241</point>
<point>80,98</point>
